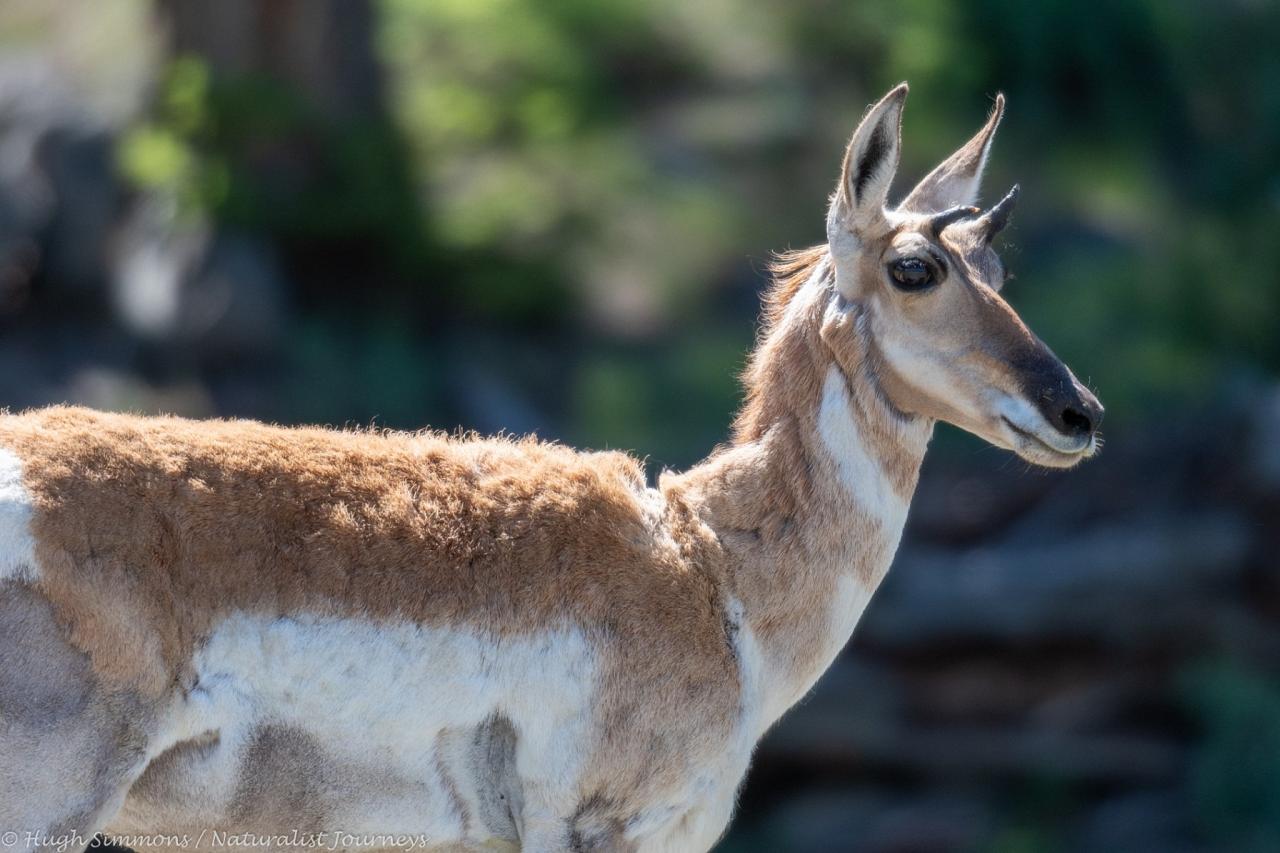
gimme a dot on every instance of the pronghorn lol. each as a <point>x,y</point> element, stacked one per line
<point>231,634</point>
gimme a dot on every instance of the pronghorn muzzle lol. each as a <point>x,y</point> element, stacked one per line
<point>1068,406</point>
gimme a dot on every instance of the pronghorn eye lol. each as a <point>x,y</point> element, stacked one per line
<point>911,273</point>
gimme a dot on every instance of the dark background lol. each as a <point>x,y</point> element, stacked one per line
<point>553,216</point>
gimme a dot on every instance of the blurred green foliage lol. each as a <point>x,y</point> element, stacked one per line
<point>612,174</point>
<point>1236,774</point>
<point>257,155</point>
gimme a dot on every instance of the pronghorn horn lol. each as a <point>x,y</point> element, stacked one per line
<point>946,217</point>
<point>995,219</point>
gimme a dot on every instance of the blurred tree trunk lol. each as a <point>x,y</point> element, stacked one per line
<point>323,47</point>
<point>327,183</point>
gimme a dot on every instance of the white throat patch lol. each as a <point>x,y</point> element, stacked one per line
<point>860,471</point>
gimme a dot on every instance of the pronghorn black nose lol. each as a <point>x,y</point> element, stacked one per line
<point>1076,412</point>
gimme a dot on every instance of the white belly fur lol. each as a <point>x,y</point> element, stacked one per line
<point>399,702</point>
<point>385,698</point>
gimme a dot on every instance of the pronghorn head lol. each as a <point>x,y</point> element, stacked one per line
<point>921,282</point>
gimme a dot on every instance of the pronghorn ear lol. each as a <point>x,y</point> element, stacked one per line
<point>870,163</point>
<point>955,181</point>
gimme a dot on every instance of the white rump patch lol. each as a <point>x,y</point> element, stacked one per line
<point>17,546</point>
<point>860,472</point>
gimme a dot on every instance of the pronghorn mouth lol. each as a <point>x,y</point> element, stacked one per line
<point>1041,445</point>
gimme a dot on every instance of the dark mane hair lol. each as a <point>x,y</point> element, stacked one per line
<point>790,270</point>
<point>774,360</point>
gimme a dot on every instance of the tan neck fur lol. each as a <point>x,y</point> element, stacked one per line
<point>810,498</point>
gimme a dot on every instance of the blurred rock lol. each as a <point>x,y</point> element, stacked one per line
<point>34,100</point>
<point>869,821</point>
<point>81,175</point>
<point>1143,820</point>
<point>827,737</point>
<point>26,379</point>
<point>1264,441</point>
<point>175,281</point>
<point>492,404</point>
<point>112,390</point>
<point>1119,583</point>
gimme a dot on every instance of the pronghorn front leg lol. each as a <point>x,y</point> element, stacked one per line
<point>68,749</point>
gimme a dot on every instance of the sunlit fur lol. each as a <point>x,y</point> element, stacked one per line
<point>218,628</point>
